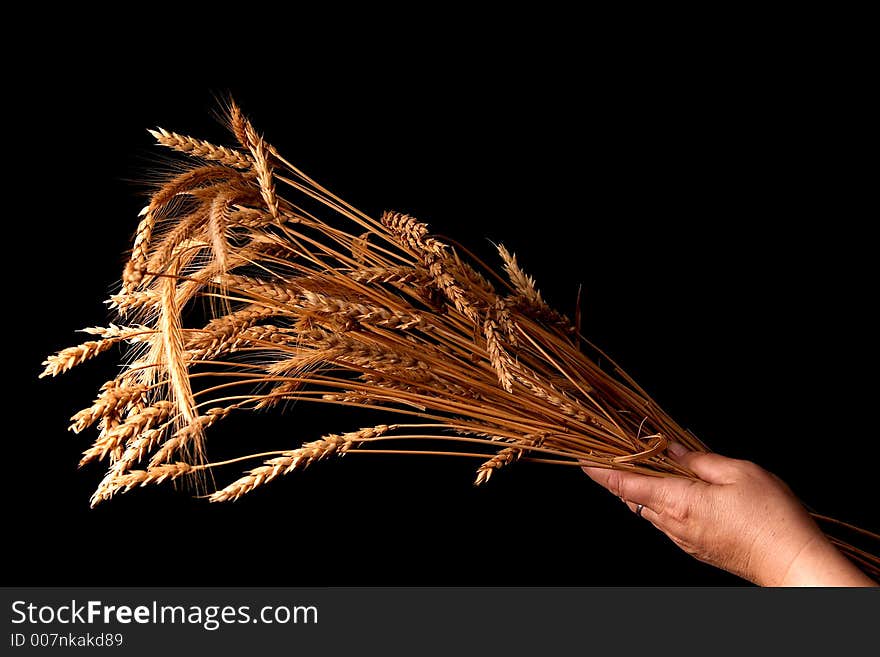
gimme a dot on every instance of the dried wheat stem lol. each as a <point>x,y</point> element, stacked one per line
<point>505,457</point>
<point>522,282</point>
<point>238,123</point>
<point>276,293</point>
<point>175,244</point>
<point>133,426</point>
<point>252,337</point>
<point>447,284</point>
<point>250,218</point>
<point>132,478</point>
<point>174,444</point>
<point>263,168</point>
<point>360,312</point>
<point>364,351</point>
<point>540,312</point>
<point>175,359</point>
<point>479,455</point>
<point>413,234</point>
<point>201,149</point>
<point>498,356</point>
<point>136,267</point>
<point>72,356</point>
<point>302,457</point>
<point>138,448</point>
<point>126,302</point>
<point>280,392</point>
<point>114,395</point>
<point>219,334</point>
<point>398,275</point>
<point>218,218</point>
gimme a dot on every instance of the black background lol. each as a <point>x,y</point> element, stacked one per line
<point>714,207</point>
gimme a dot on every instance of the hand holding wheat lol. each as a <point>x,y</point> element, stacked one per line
<point>312,300</point>
<point>737,517</point>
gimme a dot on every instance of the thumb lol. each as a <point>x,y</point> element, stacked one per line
<point>711,468</point>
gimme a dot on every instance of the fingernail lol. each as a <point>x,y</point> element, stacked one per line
<point>676,449</point>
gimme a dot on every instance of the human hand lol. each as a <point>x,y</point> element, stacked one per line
<point>739,517</point>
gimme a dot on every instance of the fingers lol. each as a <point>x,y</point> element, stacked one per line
<point>668,502</point>
<point>632,487</point>
<point>712,468</point>
<point>647,513</point>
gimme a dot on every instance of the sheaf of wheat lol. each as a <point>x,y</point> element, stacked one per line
<point>315,301</point>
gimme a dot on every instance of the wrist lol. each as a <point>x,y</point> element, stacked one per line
<point>817,563</point>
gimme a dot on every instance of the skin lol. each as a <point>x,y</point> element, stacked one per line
<point>740,518</point>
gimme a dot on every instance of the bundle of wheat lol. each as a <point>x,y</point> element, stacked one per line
<point>313,300</point>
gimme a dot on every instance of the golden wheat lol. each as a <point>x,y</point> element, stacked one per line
<point>314,301</point>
